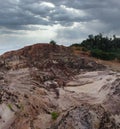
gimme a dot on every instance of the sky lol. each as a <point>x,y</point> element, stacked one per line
<point>25,22</point>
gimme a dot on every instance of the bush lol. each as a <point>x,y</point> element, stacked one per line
<point>102,55</point>
<point>54,115</point>
<point>52,42</point>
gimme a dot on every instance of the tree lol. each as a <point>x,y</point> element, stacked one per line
<point>102,47</point>
<point>52,42</point>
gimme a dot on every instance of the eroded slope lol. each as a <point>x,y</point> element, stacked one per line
<point>37,83</point>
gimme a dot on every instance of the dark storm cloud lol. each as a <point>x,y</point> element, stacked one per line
<point>16,13</point>
<point>20,14</point>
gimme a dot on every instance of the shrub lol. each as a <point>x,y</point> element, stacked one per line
<point>52,42</point>
<point>54,115</point>
<point>102,55</point>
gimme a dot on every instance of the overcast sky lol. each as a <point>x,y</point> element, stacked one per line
<point>25,22</point>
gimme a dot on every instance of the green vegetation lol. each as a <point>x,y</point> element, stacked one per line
<point>102,55</point>
<point>52,42</point>
<point>101,47</point>
<point>54,115</point>
<point>10,107</point>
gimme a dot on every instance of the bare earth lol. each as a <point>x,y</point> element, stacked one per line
<point>84,94</point>
<point>88,87</point>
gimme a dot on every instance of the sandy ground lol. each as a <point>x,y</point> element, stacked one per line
<point>88,87</point>
<point>7,116</point>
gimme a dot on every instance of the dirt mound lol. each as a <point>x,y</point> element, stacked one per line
<point>46,86</point>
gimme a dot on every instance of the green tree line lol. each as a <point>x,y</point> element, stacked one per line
<point>101,47</point>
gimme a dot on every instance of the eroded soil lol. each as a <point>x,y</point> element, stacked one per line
<point>81,93</point>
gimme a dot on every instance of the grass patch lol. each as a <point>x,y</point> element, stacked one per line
<point>54,115</point>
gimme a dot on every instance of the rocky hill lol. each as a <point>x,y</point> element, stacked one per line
<point>47,86</point>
